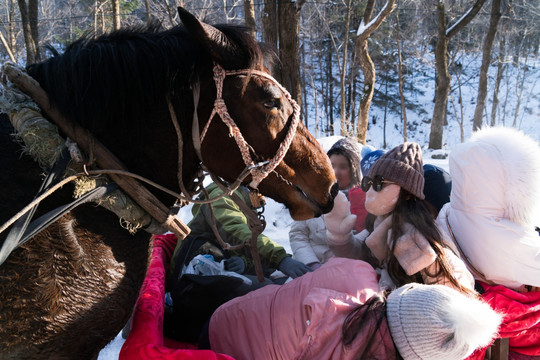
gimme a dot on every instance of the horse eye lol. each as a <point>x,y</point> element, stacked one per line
<point>271,104</point>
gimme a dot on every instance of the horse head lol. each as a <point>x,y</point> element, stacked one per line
<point>263,114</point>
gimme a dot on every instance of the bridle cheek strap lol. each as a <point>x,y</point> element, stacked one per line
<point>258,173</point>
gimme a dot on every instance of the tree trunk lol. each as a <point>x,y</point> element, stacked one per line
<point>9,27</point>
<point>249,12</point>
<point>289,16</point>
<point>329,99</point>
<point>367,65</point>
<point>351,103</point>
<point>500,65</point>
<point>305,112</point>
<point>460,118</point>
<point>367,91</point>
<point>443,80</point>
<point>102,18</point>
<point>519,86</point>
<point>270,24</point>
<point>170,12</point>
<point>400,81</point>
<point>343,115</point>
<point>29,17</point>
<point>385,110</point>
<point>12,32</point>
<point>441,64</point>
<point>353,95</point>
<point>486,59</point>
<point>116,14</point>
<point>147,10</point>
<point>96,9</point>
<point>500,71</point>
<point>6,46</point>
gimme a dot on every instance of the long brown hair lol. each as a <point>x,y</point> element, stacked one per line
<point>421,215</point>
<point>367,319</point>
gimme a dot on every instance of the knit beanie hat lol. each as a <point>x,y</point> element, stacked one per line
<point>402,165</point>
<point>437,322</point>
<point>369,159</point>
<point>351,150</point>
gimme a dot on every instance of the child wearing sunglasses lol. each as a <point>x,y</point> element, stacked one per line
<point>406,243</point>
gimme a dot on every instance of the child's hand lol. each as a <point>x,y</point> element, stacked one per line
<point>339,222</point>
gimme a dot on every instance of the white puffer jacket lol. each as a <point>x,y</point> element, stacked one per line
<point>308,241</point>
<point>495,205</point>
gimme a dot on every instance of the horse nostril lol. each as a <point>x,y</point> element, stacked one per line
<point>334,190</point>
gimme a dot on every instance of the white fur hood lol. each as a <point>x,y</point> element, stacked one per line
<point>498,172</point>
<point>495,204</point>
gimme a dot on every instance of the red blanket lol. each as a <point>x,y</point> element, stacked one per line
<point>521,323</point>
<point>146,340</point>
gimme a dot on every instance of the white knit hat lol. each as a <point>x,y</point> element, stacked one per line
<point>437,322</point>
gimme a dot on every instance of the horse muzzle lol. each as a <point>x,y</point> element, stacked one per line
<point>334,190</point>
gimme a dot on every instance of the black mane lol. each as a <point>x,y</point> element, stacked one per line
<point>123,79</point>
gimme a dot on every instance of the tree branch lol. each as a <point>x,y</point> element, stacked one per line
<point>465,20</point>
<point>374,24</point>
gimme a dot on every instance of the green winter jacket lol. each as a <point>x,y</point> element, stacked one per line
<point>233,227</point>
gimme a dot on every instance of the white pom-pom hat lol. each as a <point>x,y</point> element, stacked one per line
<point>437,322</point>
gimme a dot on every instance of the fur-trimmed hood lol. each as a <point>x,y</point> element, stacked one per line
<point>498,172</point>
<point>495,204</point>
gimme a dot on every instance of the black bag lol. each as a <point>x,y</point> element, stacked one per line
<point>196,297</point>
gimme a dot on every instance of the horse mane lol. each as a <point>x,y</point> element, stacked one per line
<point>123,79</point>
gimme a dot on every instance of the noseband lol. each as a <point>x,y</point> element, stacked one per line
<point>258,172</point>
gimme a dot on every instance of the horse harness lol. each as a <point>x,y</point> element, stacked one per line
<point>259,171</point>
<point>23,230</point>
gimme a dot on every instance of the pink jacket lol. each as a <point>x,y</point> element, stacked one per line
<point>301,319</point>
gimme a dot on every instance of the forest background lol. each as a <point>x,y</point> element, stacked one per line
<point>431,71</point>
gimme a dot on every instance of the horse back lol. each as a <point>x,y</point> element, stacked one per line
<point>79,276</point>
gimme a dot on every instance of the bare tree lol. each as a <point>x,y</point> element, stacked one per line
<point>520,80</point>
<point>501,63</point>
<point>441,64</point>
<point>170,12</point>
<point>147,11</point>
<point>10,39</point>
<point>249,13</point>
<point>289,19</point>
<point>400,79</point>
<point>344,118</point>
<point>460,117</point>
<point>366,28</point>
<point>270,28</point>
<point>270,24</point>
<point>116,14</point>
<point>29,17</point>
<point>486,59</point>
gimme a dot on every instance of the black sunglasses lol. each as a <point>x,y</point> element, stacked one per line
<point>377,183</point>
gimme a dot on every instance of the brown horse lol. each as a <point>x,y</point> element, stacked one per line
<point>69,290</point>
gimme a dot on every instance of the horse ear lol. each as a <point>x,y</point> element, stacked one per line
<point>217,43</point>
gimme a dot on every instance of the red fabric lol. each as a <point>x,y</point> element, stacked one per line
<point>521,323</point>
<point>357,198</point>
<point>146,340</point>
